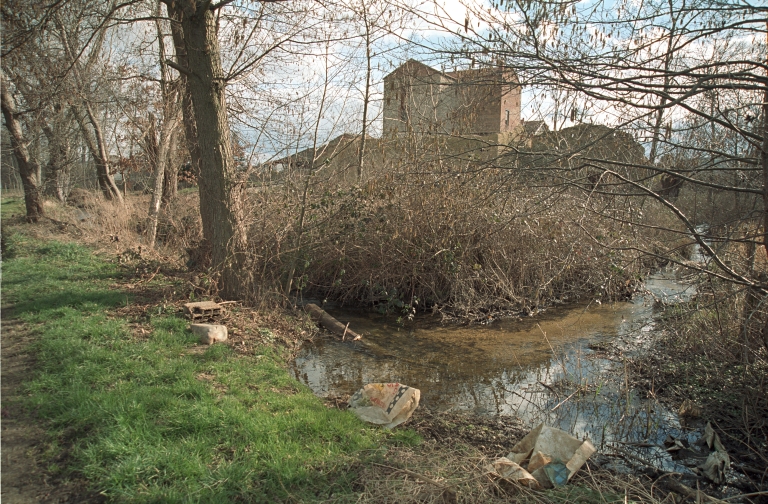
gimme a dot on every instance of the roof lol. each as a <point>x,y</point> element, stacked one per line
<point>535,127</point>
<point>415,68</point>
<point>330,149</point>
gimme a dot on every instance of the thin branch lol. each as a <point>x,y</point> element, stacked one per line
<point>179,68</point>
<point>220,4</point>
<point>689,225</point>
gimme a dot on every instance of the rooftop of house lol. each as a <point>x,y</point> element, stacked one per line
<point>535,127</point>
<point>326,150</point>
<point>416,68</point>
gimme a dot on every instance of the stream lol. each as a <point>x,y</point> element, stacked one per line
<point>564,367</point>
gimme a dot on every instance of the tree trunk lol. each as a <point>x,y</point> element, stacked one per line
<point>660,112</point>
<point>55,126</point>
<point>103,170</point>
<point>28,167</point>
<point>190,127</point>
<point>154,205</point>
<point>57,170</point>
<point>220,189</point>
<point>171,179</point>
<point>764,156</point>
<point>163,149</point>
<point>98,149</point>
<point>764,166</point>
<point>94,137</point>
<point>170,117</point>
<point>366,98</point>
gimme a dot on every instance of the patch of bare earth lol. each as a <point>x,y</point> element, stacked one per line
<point>24,476</point>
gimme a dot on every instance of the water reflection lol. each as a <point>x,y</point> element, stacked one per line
<point>524,367</point>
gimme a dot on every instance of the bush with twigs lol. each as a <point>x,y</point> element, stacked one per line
<point>471,243</point>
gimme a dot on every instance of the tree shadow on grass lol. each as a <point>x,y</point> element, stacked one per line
<point>64,276</point>
<point>86,301</point>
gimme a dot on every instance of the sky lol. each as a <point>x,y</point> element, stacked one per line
<point>312,92</point>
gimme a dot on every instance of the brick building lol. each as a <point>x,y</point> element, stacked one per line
<point>420,99</point>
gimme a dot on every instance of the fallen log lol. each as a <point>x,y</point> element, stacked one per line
<point>321,317</point>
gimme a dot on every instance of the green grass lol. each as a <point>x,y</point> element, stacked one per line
<point>146,420</point>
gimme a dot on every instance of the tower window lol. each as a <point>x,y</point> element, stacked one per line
<point>506,118</point>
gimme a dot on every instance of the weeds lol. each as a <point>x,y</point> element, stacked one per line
<point>711,356</point>
<point>157,418</point>
<point>470,245</point>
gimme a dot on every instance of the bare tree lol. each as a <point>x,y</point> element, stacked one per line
<point>57,131</point>
<point>159,149</point>
<point>83,69</point>
<point>31,63</point>
<point>187,109</point>
<point>652,70</point>
<point>367,40</point>
<point>254,33</point>
<point>28,166</point>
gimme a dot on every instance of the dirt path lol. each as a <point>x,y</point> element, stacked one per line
<point>24,480</point>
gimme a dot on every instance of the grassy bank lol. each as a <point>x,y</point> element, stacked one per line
<point>148,416</point>
<point>134,410</point>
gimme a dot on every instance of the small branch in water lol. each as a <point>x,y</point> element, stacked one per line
<point>550,388</point>
<point>566,399</point>
<point>525,399</point>
<point>640,445</point>
<point>324,319</point>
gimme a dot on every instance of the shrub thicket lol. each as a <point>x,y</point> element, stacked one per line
<point>470,243</point>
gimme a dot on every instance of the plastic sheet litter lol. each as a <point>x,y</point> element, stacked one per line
<point>544,458</point>
<point>386,404</point>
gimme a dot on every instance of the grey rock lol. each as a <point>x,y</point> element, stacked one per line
<point>209,333</point>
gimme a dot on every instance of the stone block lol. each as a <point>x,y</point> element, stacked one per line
<point>209,333</point>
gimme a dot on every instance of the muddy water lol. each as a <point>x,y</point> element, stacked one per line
<point>552,367</point>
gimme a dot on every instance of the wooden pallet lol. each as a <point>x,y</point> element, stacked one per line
<point>203,310</point>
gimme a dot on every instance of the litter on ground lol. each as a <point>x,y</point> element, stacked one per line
<point>386,404</point>
<point>544,458</point>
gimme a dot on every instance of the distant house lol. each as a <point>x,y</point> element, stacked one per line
<point>534,128</point>
<point>588,147</point>
<point>344,145</point>
<point>420,99</point>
